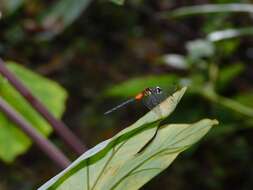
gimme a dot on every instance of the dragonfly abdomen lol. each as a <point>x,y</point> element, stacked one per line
<point>120,105</point>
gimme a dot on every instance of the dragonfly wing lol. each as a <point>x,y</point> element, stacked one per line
<point>160,97</point>
<point>156,101</point>
<point>152,101</point>
<point>147,101</point>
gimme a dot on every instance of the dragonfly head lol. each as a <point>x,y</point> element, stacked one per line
<point>158,90</point>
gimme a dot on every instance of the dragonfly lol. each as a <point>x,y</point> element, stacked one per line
<point>151,97</point>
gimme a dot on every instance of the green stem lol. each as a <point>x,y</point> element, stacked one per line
<point>226,102</point>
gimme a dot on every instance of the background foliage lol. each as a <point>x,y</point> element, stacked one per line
<point>102,53</point>
<point>12,141</point>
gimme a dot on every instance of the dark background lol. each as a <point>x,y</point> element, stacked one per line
<point>109,44</point>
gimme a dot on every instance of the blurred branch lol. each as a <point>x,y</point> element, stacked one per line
<point>209,8</point>
<point>60,128</point>
<point>46,146</point>
<point>213,74</point>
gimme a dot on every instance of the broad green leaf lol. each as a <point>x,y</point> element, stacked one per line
<point>13,141</point>
<point>132,87</point>
<point>118,2</point>
<point>117,163</point>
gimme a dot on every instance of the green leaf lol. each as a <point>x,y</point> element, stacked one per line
<point>174,60</point>
<point>117,163</point>
<point>118,2</point>
<point>133,86</point>
<point>62,14</point>
<point>200,48</point>
<point>210,8</point>
<point>13,141</point>
<point>229,33</point>
<point>227,47</point>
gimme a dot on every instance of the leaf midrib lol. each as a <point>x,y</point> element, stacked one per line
<point>107,162</point>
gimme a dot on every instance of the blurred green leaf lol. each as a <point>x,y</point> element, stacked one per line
<point>14,142</point>
<point>133,86</point>
<point>229,33</point>
<point>210,8</point>
<point>227,47</point>
<point>216,22</point>
<point>200,48</point>
<point>118,2</point>
<point>174,60</point>
<point>62,14</point>
<point>8,7</point>
<point>228,73</point>
<point>117,163</point>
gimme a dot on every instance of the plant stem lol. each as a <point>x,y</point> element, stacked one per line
<point>52,151</point>
<point>226,102</point>
<point>60,128</point>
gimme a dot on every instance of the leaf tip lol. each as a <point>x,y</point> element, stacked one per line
<point>183,89</point>
<point>211,122</point>
<point>215,122</point>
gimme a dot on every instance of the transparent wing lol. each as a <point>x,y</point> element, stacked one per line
<point>147,101</point>
<point>152,101</point>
